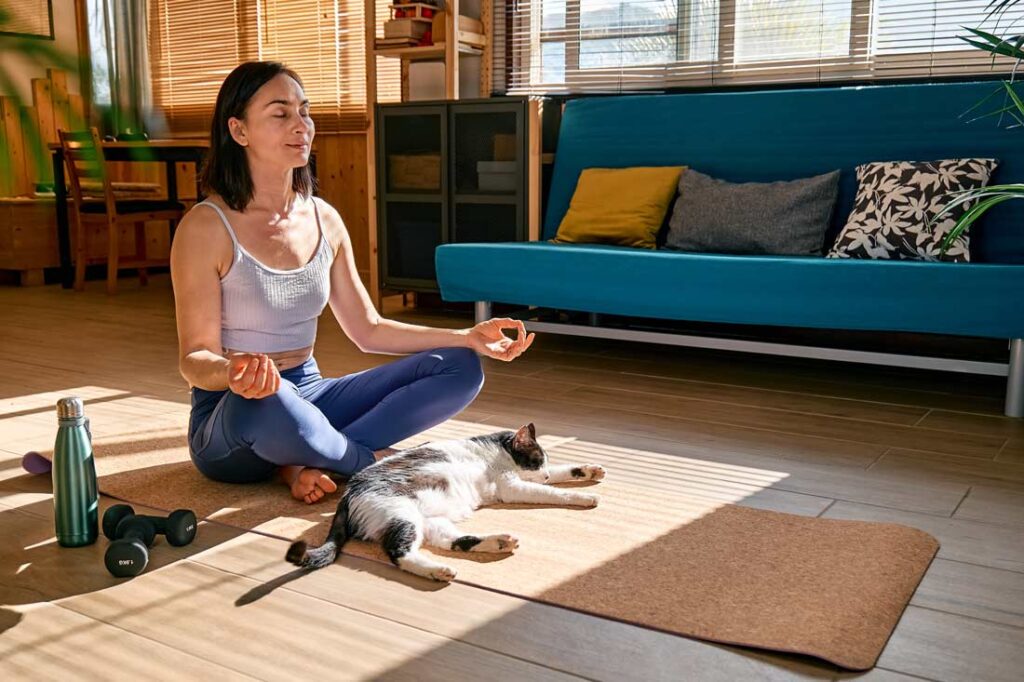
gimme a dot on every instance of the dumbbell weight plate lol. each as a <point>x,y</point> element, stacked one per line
<point>181,527</point>
<point>126,558</point>
<point>112,517</point>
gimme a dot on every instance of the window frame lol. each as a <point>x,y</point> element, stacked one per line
<point>858,64</point>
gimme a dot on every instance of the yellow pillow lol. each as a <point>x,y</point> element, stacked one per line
<point>624,206</point>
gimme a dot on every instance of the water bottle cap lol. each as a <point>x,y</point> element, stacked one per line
<point>70,408</point>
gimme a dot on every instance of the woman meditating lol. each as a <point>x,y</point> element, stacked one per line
<point>252,267</point>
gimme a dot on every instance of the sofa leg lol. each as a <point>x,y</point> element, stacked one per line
<point>482,311</point>
<point>1015,380</point>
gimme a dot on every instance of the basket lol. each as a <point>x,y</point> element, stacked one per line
<point>420,171</point>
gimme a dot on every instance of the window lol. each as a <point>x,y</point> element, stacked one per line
<point>97,18</point>
<point>195,44</point>
<point>799,29</point>
<point>915,36</point>
<point>27,18</point>
<point>619,45</point>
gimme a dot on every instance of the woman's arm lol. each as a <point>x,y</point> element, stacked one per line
<point>372,333</point>
<point>196,282</point>
<point>200,250</point>
<point>354,310</point>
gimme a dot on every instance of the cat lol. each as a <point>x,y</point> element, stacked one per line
<point>414,496</point>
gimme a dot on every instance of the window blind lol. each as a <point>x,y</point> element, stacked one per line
<point>195,44</point>
<point>27,17</point>
<point>579,46</point>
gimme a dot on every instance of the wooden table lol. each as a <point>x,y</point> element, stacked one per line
<point>168,152</point>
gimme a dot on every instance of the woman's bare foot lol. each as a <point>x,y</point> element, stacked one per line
<point>383,452</point>
<point>308,485</point>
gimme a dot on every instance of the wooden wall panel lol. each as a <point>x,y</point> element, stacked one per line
<point>62,119</point>
<point>28,234</point>
<point>19,181</point>
<point>341,171</point>
<point>42,104</point>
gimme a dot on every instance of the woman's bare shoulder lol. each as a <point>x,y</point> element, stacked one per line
<point>202,237</point>
<point>333,225</point>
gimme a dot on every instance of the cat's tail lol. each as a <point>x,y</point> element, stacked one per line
<point>325,554</point>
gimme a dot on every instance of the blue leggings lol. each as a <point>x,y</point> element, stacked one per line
<point>333,424</point>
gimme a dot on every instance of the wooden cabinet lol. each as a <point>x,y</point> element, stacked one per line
<point>450,172</point>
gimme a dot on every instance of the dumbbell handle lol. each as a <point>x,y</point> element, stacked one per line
<point>159,522</point>
<point>187,531</point>
<point>179,526</point>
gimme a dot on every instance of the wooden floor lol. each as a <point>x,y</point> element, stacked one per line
<point>924,449</point>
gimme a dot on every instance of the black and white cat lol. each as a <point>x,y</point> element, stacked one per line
<point>416,495</point>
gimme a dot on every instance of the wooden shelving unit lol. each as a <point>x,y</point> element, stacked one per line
<point>448,52</point>
<point>436,51</point>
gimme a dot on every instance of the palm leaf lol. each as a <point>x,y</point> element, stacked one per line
<point>995,44</point>
<point>968,195</point>
<point>38,52</point>
<point>1010,109</point>
<point>980,102</point>
<point>999,7</point>
<point>1013,95</point>
<point>972,215</point>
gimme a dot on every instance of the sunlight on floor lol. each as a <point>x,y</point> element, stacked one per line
<point>142,452</point>
<point>48,400</point>
<point>142,456</point>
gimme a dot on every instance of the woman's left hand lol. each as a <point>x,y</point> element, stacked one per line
<point>487,338</point>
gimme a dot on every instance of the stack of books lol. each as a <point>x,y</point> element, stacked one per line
<point>410,24</point>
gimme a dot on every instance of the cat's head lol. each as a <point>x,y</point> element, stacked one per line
<point>527,453</point>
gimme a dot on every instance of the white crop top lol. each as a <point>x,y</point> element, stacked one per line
<point>265,310</point>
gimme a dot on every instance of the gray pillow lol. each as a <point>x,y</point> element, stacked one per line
<point>781,218</point>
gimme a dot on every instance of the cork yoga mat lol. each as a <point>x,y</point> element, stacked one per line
<point>671,545</point>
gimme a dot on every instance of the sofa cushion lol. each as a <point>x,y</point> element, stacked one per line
<point>781,218</point>
<point>974,299</point>
<point>788,133</point>
<point>897,199</point>
<point>624,206</point>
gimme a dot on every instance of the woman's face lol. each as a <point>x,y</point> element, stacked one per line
<point>276,129</point>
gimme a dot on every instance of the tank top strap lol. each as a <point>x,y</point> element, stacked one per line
<point>316,211</point>
<point>223,219</point>
<point>324,244</point>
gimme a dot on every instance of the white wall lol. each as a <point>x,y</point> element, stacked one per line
<point>23,71</point>
<point>426,79</point>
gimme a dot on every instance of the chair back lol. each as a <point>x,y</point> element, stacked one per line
<point>87,170</point>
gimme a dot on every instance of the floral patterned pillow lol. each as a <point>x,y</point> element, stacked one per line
<point>895,200</point>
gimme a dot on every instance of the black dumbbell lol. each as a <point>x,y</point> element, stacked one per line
<point>179,526</point>
<point>128,554</point>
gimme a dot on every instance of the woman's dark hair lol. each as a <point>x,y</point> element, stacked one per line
<point>225,169</point>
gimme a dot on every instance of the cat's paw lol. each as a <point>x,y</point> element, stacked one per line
<point>588,472</point>
<point>503,543</point>
<point>442,574</point>
<point>584,500</point>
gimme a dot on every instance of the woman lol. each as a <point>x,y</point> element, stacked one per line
<point>252,267</point>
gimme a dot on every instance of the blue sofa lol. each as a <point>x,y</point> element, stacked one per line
<point>765,136</point>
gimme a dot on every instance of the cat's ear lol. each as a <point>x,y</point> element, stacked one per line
<point>533,434</point>
<point>523,436</point>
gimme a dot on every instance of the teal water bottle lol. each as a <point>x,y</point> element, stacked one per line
<point>75,494</point>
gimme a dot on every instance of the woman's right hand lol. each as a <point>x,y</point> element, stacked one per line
<point>252,375</point>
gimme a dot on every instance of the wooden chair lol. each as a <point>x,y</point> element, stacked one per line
<point>96,200</point>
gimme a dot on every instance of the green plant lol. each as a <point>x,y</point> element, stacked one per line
<point>1011,46</point>
<point>33,51</point>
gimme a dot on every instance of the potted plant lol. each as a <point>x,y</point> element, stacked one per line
<point>1013,107</point>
